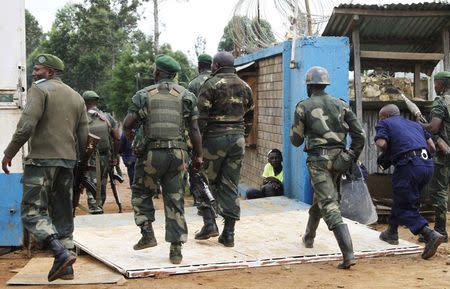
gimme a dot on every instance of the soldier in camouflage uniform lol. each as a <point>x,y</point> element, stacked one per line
<point>440,126</point>
<point>225,105</point>
<point>106,157</point>
<point>204,70</point>
<point>163,110</point>
<point>324,121</point>
<point>53,120</point>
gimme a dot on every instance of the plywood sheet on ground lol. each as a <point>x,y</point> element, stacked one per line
<point>269,233</point>
<point>87,271</point>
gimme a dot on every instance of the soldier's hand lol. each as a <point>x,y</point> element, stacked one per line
<point>6,162</point>
<point>197,163</point>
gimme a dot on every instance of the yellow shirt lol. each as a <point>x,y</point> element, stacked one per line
<point>268,172</point>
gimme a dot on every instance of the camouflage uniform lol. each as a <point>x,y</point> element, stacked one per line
<point>438,185</point>
<point>105,156</point>
<point>324,122</point>
<point>196,83</point>
<point>226,113</point>
<point>53,120</point>
<point>159,161</point>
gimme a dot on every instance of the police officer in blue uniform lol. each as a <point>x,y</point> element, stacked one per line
<point>407,146</point>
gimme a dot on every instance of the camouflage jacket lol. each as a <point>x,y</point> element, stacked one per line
<point>225,104</point>
<point>324,122</point>
<point>53,120</point>
<point>441,110</point>
<point>196,83</point>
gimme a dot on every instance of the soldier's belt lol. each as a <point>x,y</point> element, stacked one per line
<point>324,152</point>
<point>166,144</point>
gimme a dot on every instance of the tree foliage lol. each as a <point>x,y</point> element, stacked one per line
<point>103,50</point>
<point>242,35</point>
<point>33,32</point>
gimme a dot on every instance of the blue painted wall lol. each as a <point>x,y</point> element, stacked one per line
<point>10,199</point>
<point>329,52</point>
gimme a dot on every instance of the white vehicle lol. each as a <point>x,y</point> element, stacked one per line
<point>12,99</point>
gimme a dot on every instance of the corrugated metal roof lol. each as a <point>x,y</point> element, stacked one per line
<point>393,27</point>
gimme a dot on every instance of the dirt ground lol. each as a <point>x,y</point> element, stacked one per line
<point>387,272</point>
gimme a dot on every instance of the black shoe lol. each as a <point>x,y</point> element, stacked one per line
<point>148,237</point>
<point>310,232</point>
<point>433,239</point>
<point>227,236</point>
<point>209,228</point>
<point>68,275</point>
<point>345,244</point>
<point>63,258</point>
<point>175,255</point>
<point>440,227</point>
<point>390,235</point>
<point>421,238</point>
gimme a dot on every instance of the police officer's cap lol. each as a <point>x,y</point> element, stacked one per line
<point>441,75</point>
<point>49,60</point>
<point>204,58</point>
<point>166,63</point>
<point>90,95</point>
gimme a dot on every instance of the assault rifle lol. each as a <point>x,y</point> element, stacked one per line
<point>112,181</point>
<point>414,109</point>
<point>80,180</point>
<point>200,188</point>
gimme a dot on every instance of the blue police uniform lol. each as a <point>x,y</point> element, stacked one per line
<point>129,159</point>
<point>413,168</point>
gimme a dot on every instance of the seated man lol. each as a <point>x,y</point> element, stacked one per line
<point>273,177</point>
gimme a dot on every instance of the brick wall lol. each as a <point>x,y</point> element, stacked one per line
<point>269,119</point>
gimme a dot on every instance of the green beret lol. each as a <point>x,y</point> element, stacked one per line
<point>204,58</point>
<point>49,60</point>
<point>167,64</point>
<point>89,94</point>
<point>441,75</point>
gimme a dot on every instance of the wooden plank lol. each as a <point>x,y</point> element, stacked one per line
<point>402,55</point>
<point>268,234</point>
<point>446,48</point>
<point>87,271</point>
<point>351,25</point>
<point>357,72</point>
<point>392,13</point>
<point>417,80</point>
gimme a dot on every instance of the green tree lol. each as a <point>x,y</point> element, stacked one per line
<point>242,35</point>
<point>33,32</point>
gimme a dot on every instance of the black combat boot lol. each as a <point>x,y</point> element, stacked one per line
<point>432,241</point>
<point>440,227</point>
<point>310,233</point>
<point>175,253</point>
<point>344,240</point>
<point>68,275</point>
<point>209,228</point>
<point>227,236</point>
<point>63,258</point>
<point>148,237</point>
<point>390,235</point>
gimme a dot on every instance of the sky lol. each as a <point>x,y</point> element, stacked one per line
<point>182,21</point>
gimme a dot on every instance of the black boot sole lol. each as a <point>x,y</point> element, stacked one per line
<point>430,253</point>
<point>62,269</point>
<point>226,244</point>
<point>135,248</point>
<point>347,265</point>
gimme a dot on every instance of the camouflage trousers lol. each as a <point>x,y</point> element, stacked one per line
<point>325,201</point>
<point>167,166</point>
<point>105,166</point>
<point>437,189</point>
<point>223,157</point>
<point>47,203</point>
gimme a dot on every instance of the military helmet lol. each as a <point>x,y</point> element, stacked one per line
<point>442,75</point>
<point>90,94</point>
<point>317,75</point>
